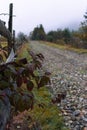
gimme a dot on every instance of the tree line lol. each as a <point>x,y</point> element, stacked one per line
<point>66,36</point>
<point>75,38</point>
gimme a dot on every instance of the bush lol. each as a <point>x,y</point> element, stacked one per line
<point>17,80</point>
<point>62,42</point>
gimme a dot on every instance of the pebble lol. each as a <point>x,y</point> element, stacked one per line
<point>85,128</point>
<point>76,112</point>
<point>84,119</point>
<point>18,127</point>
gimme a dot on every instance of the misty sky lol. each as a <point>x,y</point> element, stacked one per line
<point>53,14</point>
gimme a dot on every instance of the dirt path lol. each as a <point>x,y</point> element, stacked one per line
<point>69,72</point>
<point>63,61</point>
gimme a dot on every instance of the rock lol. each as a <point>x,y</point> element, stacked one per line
<point>86,88</point>
<point>70,121</point>
<point>18,127</point>
<point>84,119</point>
<point>77,127</point>
<point>85,106</point>
<point>85,128</point>
<point>80,99</point>
<point>73,118</point>
<point>76,112</point>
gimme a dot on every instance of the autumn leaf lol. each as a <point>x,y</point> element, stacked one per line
<point>44,81</point>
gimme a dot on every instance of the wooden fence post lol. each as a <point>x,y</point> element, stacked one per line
<point>10,23</point>
<point>10,18</point>
<point>14,40</point>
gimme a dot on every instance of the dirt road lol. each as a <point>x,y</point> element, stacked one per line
<point>69,73</point>
<point>61,60</point>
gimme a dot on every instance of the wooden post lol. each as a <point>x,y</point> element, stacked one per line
<point>10,26</point>
<point>14,40</point>
<point>10,17</point>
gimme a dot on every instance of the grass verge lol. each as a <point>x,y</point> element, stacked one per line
<point>44,112</point>
<point>65,47</point>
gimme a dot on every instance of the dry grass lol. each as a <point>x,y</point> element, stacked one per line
<point>65,47</point>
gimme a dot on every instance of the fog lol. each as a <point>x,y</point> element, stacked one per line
<point>52,14</point>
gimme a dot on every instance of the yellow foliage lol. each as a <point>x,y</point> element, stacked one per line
<point>22,52</point>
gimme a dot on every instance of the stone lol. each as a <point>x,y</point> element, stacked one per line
<point>85,128</point>
<point>84,119</point>
<point>80,99</point>
<point>76,112</point>
<point>18,126</point>
<point>73,118</point>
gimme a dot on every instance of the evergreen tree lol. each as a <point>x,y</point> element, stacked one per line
<point>38,33</point>
<point>82,33</point>
<point>83,29</point>
<point>22,38</point>
<point>66,35</point>
<point>51,36</point>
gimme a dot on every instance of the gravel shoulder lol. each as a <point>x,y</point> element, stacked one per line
<point>69,73</point>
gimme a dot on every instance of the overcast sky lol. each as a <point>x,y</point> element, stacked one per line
<point>52,14</point>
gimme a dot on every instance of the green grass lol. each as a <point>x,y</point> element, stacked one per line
<point>48,115</point>
<point>65,47</point>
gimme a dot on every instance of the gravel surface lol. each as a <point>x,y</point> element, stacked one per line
<point>69,74</point>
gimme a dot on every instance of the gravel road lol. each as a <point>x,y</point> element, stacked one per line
<point>69,73</point>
